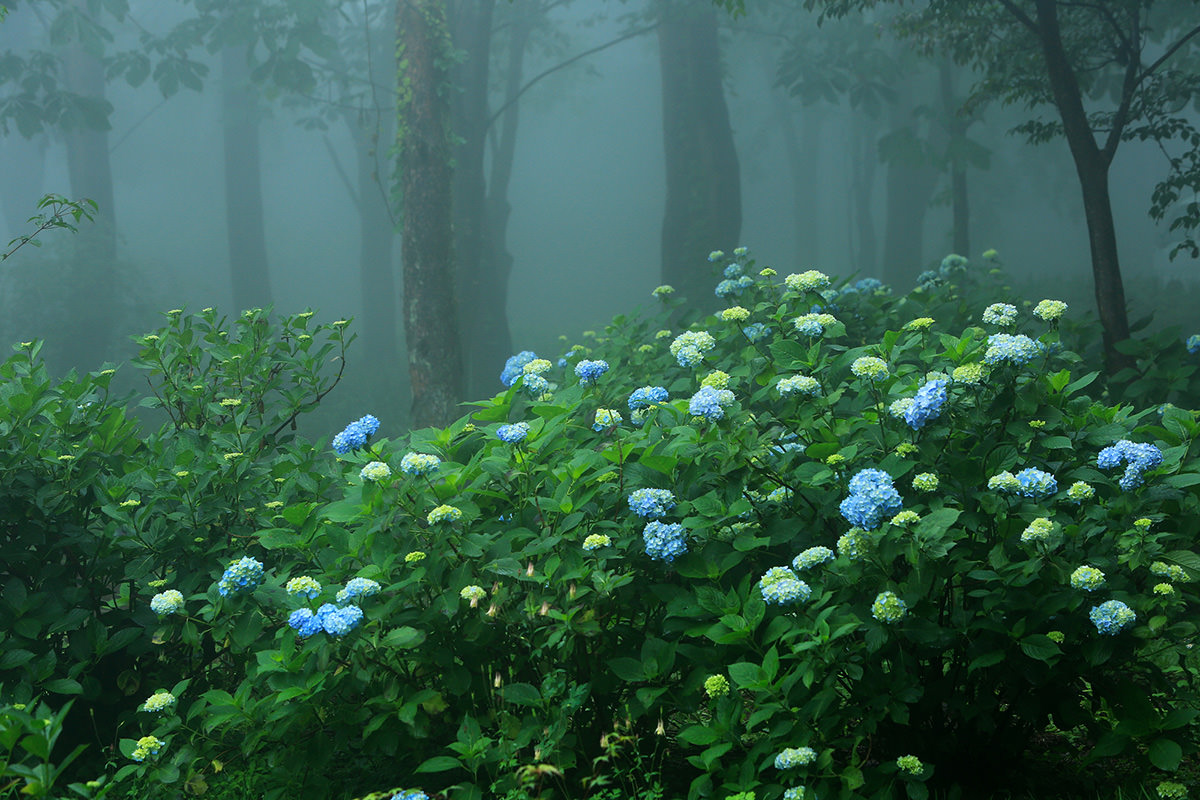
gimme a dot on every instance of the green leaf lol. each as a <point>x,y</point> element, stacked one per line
<point>439,764</point>
<point>627,669</point>
<point>403,638</point>
<point>746,675</point>
<point>63,686</point>
<point>1040,647</point>
<point>698,735</point>
<point>1165,754</point>
<point>523,694</point>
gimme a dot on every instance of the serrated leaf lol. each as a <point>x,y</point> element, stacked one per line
<point>1165,754</point>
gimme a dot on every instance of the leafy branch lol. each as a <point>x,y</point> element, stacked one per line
<point>56,212</point>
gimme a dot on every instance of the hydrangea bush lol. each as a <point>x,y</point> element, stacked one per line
<point>789,592</point>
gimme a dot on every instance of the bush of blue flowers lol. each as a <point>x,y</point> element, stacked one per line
<point>832,541</point>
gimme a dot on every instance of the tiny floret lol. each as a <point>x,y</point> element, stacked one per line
<point>888,608</point>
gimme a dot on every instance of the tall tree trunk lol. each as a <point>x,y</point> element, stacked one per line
<point>803,151</point>
<point>471,24</point>
<point>92,295</point>
<point>910,188</point>
<point>704,200</point>
<point>865,257</point>
<point>1091,165</point>
<point>424,149</point>
<point>957,129</point>
<point>375,263</point>
<point>496,262</point>
<point>249,276</point>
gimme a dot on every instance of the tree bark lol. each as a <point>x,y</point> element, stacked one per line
<point>865,257</point>
<point>427,238</point>
<point>471,24</point>
<point>704,202</point>
<point>957,129</point>
<point>1091,165</point>
<point>910,188</point>
<point>249,276</point>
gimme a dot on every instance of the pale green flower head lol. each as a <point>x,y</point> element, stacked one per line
<point>716,685</point>
<point>910,764</point>
<point>808,281</point>
<point>735,314</point>
<point>869,368</point>
<point>1050,310</point>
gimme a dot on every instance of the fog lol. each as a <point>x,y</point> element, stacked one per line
<point>587,192</point>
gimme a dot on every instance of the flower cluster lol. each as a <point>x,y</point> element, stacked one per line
<point>472,594</point>
<point>159,701</point>
<point>1138,458</point>
<point>647,397</point>
<point>1001,314</point>
<point>1172,572</point>
<point>1193,343</point>
<point>514,433</point>
<point>732,287</point>
<point>168,602</point>
<point>355,435</point>
<point>1016,349</point>
<point>710,403</point>
<point>241,577</point>
<point>375,471</point>
<point>781,587</point>
<point>853,544</point>
<point>905,517</point>
<point>334,620</point>
<point>1112,617</point>
<point>799,384</point>
<point>1087,579</point>
<point>304,586</point>
<point>357,588</point>
<point>717,379</point>
<point>925,482</point>
<point>970,374</point>
<point>814,324</point>
<point>664,541</point>
<point>147,746</point>
<point>1050,310</point>
<point>1035,484</point>
<point>888,608</point>
<point>595,541</point>
<point>870,368</point>
<point>1039,530</point>
<point>1169,790</point>
<point>795,757</point>
<point>735,314</point>
<point>651,503</point>
<point>716,685</point>
<point>589,371</point>
<point>872,496</point>
<point>1080,491</point>
<point>927,404</point>
<point>756,332</point>
<point>606,418</point>
<point>910,764</point>
<point>812,557</point>
<point>418,464</point>
<point>689,347</point>
<point>410,794</point>
<point>808,281</point>
<point>515,365</point>
<point>443,513</point>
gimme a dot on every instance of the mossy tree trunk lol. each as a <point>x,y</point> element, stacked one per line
<point>423,144</point>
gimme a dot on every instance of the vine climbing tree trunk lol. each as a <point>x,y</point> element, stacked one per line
<point>704,196</point>
<point>423,146</point>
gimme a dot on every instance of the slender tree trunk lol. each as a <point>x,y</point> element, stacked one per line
<point>866,258</point>
<point>957,128</point>
<point>424,149</point>
<point>910,188</point>
<point>803,151</point>
<point>704,202</point>
<point>471,23</point>
<point>1091,165</point>
<point>249,275</point>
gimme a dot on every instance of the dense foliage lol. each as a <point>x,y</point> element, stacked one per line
<point>832,543</point>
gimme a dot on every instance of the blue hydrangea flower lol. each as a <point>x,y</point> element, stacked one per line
<point>1087,578</point>
<point>1002,314</point>
<point>304,586</point>
<point>1139,458</point>
<point>781,587</point>
<point>872,497</point>
<point>168,602</point>
<point>1193,343</point>
<point>304,622</point>
<point>929,279</point>
<point>689,347</point>
<point>927,404</point>
<point>356,434</point>
<point>888,608</point>
<point>1035,484</point>
<point>589,371</point>
<point>954,263</point>
<point>1015,349</point>
<point>651,503</point>
<point>356,588</point>
<point>418,464</point>
<point>706,403</point>
<point>410,794</point>
<point>867,286</point>
<point>535,385</point>
<point>516,432</point>
<point>1112,617</point>
<point>646,397</point>
<point>795,757</point>
<point>241,577</point>
<point>812,557</point>
<point>339,620</point>
<point>733,270</point>
<point>664,541</point>
<point>515,365</point>
<point>756,332</point>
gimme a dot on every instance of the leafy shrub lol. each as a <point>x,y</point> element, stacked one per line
<point>883,548</point>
